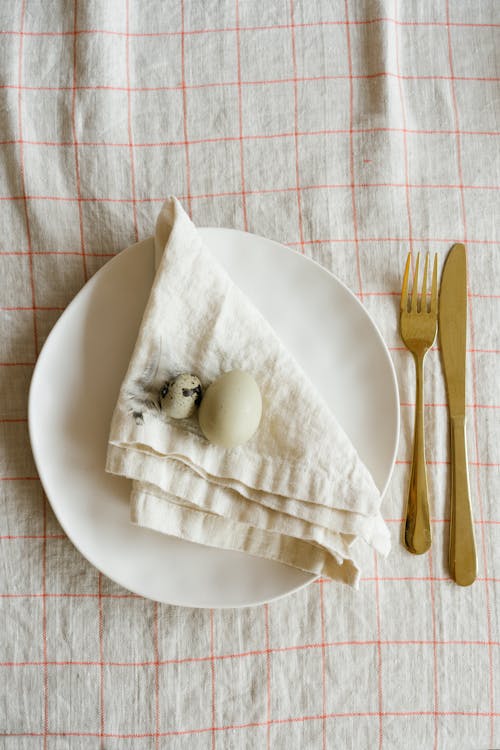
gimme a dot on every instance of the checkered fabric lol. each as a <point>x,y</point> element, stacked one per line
<point>353,132</point>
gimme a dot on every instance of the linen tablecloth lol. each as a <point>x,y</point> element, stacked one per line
<point>353,132</point>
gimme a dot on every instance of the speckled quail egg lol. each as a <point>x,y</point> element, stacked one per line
<point>231,409</point>
<point>180,396</point>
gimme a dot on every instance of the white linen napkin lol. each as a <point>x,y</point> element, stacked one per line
<point>297,492</point>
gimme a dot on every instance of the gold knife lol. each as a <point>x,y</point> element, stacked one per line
<point>453,339</point>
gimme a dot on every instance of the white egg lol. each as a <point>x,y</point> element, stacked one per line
<point>231,409</point>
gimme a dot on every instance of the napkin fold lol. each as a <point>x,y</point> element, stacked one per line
<point>297,492</point>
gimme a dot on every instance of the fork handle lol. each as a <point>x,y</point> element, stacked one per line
<point>462,553</point>
<point>417,526</point>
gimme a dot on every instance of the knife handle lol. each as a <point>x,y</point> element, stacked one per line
<point>417,532</point>
<point>462,554</point>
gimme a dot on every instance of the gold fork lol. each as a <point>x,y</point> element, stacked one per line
<point>418,325</point>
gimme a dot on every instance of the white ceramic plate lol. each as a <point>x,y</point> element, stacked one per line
<point>76,381</point>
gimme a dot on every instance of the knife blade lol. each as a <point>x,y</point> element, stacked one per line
<point>453,344</point>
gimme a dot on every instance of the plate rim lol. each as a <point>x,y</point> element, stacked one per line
<point>38,366</point>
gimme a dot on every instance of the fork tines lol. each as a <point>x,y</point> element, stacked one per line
<point>423,306</point>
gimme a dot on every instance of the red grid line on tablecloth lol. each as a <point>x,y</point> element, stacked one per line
<point>100,621</point>
<point>75,143</point>
<point>227,29</point>
<point>67,594</point>
<point>36,346</point>
<point>23,197</point>
<point>250,725</point>
<point>256,652</point>
<point>366,579</point>
<point>491,464</point>
<point>435,349</point>
<point>446,240</point>
<point>258,82</point>
<point>434,649</point>
<point>184,108</point>
<point>17,364</point>
<point>352,184</point>
<point>212,672</point>
<point>323,660</point>
<point>17,308</point>
<point>474,376</point>
<point>296,126</point>
<point>469,294</point>
<point>249,137</point>
<point>478,521</point>
<point>44,626</point>
<point>405,141</point>
<point>468,406</point>
<point>377,580</point>
<point>157,674</point>
<point>32,536</point>
<point>11,253</point>
<point>129,119</point>
<point>268,677</point>
<point>446,463</point>
<point>240,117</point>
<point>237,193</point>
